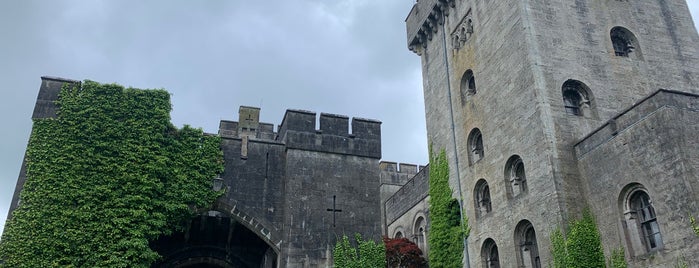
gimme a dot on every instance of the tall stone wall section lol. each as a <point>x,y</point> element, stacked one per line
<point>504,110</point>
<point>521,53</point>
<point>652,144</point>
<point>393,176</point>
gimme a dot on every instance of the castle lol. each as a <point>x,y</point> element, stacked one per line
<point>544,108</point>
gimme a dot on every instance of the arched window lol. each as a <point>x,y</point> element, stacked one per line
<point>489,254</point>
<point>624,42</point>
<point>398,235</point>
<point>482,198</point>
<point>526,245</point>
<point>515,176</point>
<point>475,146</point>
<point>419,231</point>
<point>468,86</point>
<point>576,98</point>
<point>642,228</point>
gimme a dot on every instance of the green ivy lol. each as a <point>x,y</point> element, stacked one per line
<point>446,230</point>
<point>368,253</point>
<point>617,260</point>
<point>581,247</point>
<point>693,222</point>
<point>558,249</point>
<point>105,177</point>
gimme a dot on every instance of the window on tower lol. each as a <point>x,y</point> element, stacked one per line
<point>482,198</point>
<point>475,146</point>
<point>515,176</point>
<point>624,42</point>
<point>489,254</point>
<point>467,85</point>
<point>576,98</point>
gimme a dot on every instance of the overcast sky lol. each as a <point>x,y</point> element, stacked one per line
<point>337,56</point>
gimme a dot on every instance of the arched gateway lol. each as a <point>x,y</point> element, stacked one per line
<point>218,240</point>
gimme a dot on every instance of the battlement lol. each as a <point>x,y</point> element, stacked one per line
<point>393,173</point>
<point>424,19</point>
<point>298,130</point>
<point>403,168</point>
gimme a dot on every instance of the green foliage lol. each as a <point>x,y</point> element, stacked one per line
<point>558,249</point>
<point>367,254</point>
<point>106,176</point>
<point>617,260</point>
<point>447,229</point>
<point>581,247</point>
<point>693,222</point>
<point>681,263</point>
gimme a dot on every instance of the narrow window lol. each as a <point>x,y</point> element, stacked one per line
<point>645,214</point>
<point>576,98</point>
<point>623,41</point>
<point>515,176</point>
<point>419,233</point>
<point>490,255</point>
<point>526,243</point>
<point>475,146</point>
<point>467,86</point>
<point>642,228</point>
<point>398,235</point>
<point>482,195</point>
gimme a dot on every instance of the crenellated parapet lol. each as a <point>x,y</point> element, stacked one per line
<point>397,173</point>
<point>424,21</point>
<point>248,126</point>
<point>298,131</point>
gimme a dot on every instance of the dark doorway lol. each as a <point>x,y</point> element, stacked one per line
<point>214,241</point>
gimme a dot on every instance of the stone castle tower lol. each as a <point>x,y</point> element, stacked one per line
<point>548,107</point>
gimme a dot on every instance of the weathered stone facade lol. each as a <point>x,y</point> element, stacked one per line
<point>521,93</point>
<point>282,190</point>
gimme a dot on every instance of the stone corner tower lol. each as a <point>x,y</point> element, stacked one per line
<point>514,88</point>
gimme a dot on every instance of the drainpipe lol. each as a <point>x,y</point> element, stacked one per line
<point>467,262</point>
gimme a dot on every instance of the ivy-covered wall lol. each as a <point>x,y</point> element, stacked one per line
<point>105,177</point>
<point>447,230</point>
<point>581,246</point>
<point>367,254</point>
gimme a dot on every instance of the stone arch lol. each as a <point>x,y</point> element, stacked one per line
<point>476,151</point>
<point>398,232</point>
<point>640,225</point>
<point>624,43</point>
<point>577,98</point>
<point>270,236</point>
<point>489,254</point>
<point>225,237</point>
<point>420,232</point>
<point>481,198</point>
<point>527,245</point>
<point>515,176</point>
<point>467,85</point>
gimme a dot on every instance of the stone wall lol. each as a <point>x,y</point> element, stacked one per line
<point>652,144</point>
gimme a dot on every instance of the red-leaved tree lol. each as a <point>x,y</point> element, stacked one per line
<point>402,253</point>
